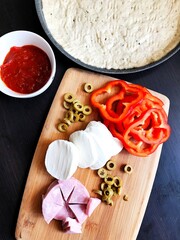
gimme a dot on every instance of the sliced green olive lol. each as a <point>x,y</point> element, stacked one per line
<point>88,87</point>
<point>114,190</point>
<point>128,169</point>
<point>117,182</point>
<point>76,111</point>
<point>111,185</point>
<point>108,192</point>
<point>125,197</point>
<point>98,192</point>
<point>104,186</point>
<point>82,117</point>
<point>87,110</point>
<point>110,202</point>
<point>68,97</point>
<point>67,121</point>
<point>73,110</point>
<point>102,173</point>
<point>104,198</point>
<point>78,106</point>
<point>111,165</point>
<point>75,117</point>
<point>107,200</point>
<point>76,101</point>
<point>66,105</point>
<point>69,115</point>
<point>62,127</point>
<point>109,180</point>
<point>119,190</point>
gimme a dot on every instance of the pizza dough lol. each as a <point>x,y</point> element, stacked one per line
<point>114,34</point>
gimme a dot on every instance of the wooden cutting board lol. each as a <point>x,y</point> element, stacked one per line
<point>120,221</point>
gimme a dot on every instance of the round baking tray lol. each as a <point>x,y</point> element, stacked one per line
<point>38,5</point>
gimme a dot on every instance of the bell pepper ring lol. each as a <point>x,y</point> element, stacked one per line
<point>133,115</point>
<point>148,95</point>
<point>128,96</point>
<point>136,112</point>
<point>152,128</point>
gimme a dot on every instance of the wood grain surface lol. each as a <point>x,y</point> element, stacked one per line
<point>120,221</point>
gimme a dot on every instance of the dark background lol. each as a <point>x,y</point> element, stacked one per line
<point>21,122</point>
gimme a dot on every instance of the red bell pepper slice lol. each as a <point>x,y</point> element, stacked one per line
<point>145,133</point>
<point>128,97</point>
<point>117,131</point>
<point>133,115</point>
<point>148,95</point>
<point>142,107</point>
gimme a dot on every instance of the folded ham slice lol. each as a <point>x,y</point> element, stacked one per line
<point>71,225</point>
<point>70,202</point>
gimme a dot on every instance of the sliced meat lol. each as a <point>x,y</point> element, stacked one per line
<point>50,210</point>
<point>54,194</point>
<point>63,213</point>
<point>70,202</point>
<point>71,225</point>
<point>79,211</point>
<point>67,187</point>
<point>80,194</point>
<point>92,205</point>
<point>52,202</point>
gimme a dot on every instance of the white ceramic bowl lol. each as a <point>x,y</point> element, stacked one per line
<point>21,38</point>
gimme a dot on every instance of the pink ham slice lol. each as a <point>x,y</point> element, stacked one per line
<point>52,202</point>
<point>71,225</point>
<point>70,202</point>
<point>50,210</point>
<point>74,191</point>
<point>79,211</point>
<point>63,213</point>
<point>73,229</point>
<point>92,204</point>
<point>80,194</point>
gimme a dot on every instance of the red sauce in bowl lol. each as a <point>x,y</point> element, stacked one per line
<point>26,69</point>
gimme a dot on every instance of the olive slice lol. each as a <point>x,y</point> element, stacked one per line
<point>109,202</point>
<point>62,127</point>
<point>88,87</point>
<point>68,97</point>
<point>104,186</point>
<point>119,190</point>
<point>111,165</point>
<point>76,101</point>
<point>87,110</point>
<point>67,121</point>
<point>109,180</point>
<point>125,197</point>
<point>117,181</point>
<point>78,106</point>
<point>69,115</point>
<point>82,117</point>
<point>128,169</point>
<point>98,192</point>
<point>66,105</point>
<point>109,192</point>
<point>102,173</point>
<point>75,117</point>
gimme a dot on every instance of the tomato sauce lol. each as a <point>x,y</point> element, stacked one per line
<point>25,69</point>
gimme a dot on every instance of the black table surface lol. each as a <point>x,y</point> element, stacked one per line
<point>21,122</point>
